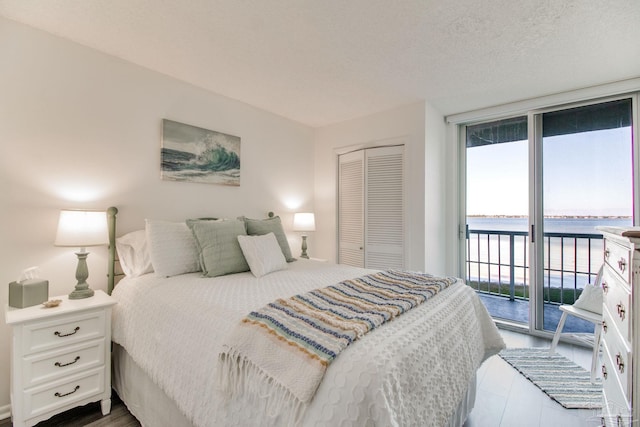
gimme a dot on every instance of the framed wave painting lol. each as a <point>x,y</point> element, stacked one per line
<point>194,154</point>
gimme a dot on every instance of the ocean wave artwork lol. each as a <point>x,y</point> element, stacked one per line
<point>195,154</point>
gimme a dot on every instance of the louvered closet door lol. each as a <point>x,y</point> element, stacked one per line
<point>371,208</point>
<point>351,209</point>
<point>384,207</point>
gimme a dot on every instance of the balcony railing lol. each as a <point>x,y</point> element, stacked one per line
<point>498,263</point>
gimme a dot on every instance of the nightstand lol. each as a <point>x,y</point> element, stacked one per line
<point>60,357</point>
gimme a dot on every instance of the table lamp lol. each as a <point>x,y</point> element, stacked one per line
<point>81,229</point>
<point>304,221</point>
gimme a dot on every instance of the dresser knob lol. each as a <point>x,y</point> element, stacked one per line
<point>605,287</point>
<point>622,265</point>
<point>621,310</point>
<point>604,326</point>
<point>620,363</point>
<point>619,421</point>
<point>607,252</point>
<point>604,372</point>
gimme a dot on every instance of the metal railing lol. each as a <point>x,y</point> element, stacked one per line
<point>498,263</point>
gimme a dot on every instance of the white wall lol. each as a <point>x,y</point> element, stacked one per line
<point>80,129</point>
<point>422,129</point>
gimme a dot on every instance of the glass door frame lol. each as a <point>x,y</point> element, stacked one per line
<point>536,196</point>
<point>536,214</point>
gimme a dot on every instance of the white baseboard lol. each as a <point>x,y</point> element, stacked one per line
<point>5,412</point>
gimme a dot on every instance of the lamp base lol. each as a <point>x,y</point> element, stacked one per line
<point>81,293</point>
<point>304,247</point>
<point>82,272</point>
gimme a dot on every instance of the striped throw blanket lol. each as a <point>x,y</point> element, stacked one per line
<point>279,354</point>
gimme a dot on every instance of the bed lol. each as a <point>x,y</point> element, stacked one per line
<point>169,332</point>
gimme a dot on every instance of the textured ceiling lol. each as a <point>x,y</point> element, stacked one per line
<point>321,62</point>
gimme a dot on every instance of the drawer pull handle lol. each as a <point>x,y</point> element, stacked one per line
<point>67,394</point>
<point>622,265</point>
<point>66,335</point>
<point>607,252</point>
<point>620,363</point>
<point>619,421</point>
<point>621,310</point>
<point>60,365</point>
<point>604,372</point>
<point>605,287</point>
<point>604,326</point>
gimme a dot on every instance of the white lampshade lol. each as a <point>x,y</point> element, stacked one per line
<point>304,221</point>
<point>82,228</point>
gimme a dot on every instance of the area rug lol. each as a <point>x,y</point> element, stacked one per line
<point>561,379</point>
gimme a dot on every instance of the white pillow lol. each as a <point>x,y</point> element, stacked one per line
<point>263,253</point>
<point>133,253</point>
<point>590,299</point>
<point>172,248</point>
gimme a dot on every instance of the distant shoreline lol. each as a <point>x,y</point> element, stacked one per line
<point>556,216</point>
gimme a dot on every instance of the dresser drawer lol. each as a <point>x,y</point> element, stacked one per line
<point>615,413</point>
<point>49,397</point>
<point>618,362</point>
<point>617,299</point>
<point>617,257</point>
<point>55,364</point>
<point>62,331</point>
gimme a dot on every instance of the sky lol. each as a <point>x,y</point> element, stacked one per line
<point>587,173</point>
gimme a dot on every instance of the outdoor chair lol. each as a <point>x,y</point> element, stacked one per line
<point>588,307</point>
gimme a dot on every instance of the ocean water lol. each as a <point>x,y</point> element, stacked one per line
<point>569,262</point>
<point>554,225</point>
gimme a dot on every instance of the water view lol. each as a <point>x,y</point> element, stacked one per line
<point>586,225</point>
<point>572,259</point>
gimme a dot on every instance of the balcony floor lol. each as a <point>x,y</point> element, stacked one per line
<point>518,310</point>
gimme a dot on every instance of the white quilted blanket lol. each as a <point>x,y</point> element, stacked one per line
<point>411,371</point>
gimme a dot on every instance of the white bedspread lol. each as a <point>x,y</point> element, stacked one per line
<point>411,371</point>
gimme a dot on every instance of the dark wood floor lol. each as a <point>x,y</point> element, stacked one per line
<point>90,415</point>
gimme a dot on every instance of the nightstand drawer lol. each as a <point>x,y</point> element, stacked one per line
<point>56,364</point>
<point>618,258</point>
<point>63,331</point>
<point>46,398</point>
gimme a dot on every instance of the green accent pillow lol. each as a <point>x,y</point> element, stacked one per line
<point>259,227</point>
<point>218,246</point>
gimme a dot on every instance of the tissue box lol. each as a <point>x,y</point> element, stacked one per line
<point>28,292</point>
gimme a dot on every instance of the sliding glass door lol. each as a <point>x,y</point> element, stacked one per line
<point>586,180</point>
<point>497,183</point>
<point>537,185</point>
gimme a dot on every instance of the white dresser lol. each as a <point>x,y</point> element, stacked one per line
<point>60,357</point>
<point>620,281</point>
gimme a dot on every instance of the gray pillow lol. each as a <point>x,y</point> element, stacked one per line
<point>218,246</point>
<point>259,227</point>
